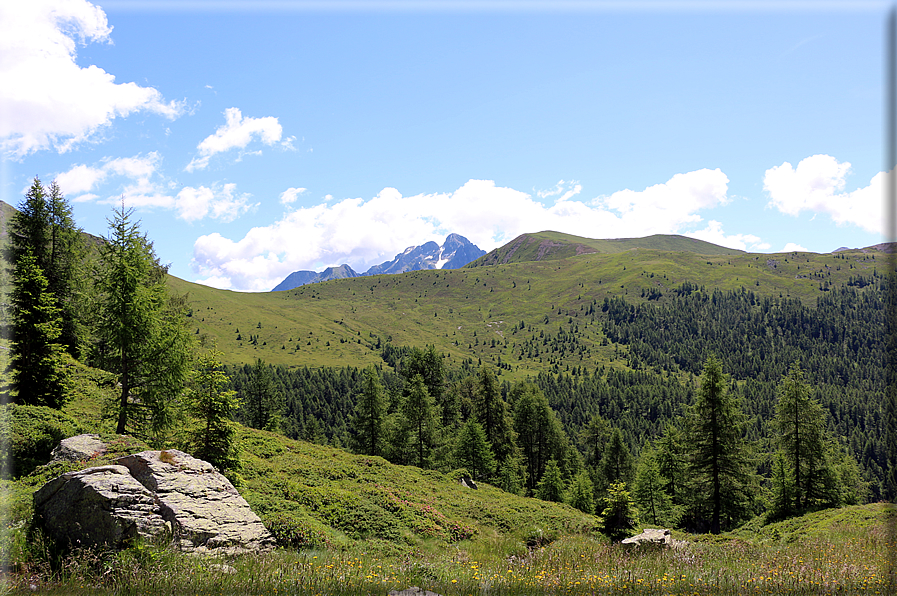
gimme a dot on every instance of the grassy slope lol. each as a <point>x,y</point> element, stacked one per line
<point>454,309</point>
<point>321,496</point>
<point>557,245</point>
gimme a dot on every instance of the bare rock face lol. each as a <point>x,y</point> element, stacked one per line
<point>80,447</point>
<point>103,506</point>
<point>205,510</point>
<point>154,495</point>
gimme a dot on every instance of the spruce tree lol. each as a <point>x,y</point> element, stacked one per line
<point>800,420</point>
<point>473,451</point>
<point>619,516</point>
<point>369,418</point>
<point>262,402</point>
<point>141,331</point>
<point>44,227</point>
<point>420,420</point>
<point>719,464</point>
<point>214,436</point>
<point>38,374</point>
<point>582,494</point>
<point>551,486</point>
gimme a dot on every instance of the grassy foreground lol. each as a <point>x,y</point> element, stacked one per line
<point>834,552</point>
<point>352,524</point>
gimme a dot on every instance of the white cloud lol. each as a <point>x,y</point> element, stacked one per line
<point>366,232</point>
<point>46,99</point>
<point>236,133</point>
<point>290,195</point>
<point>817,185</point>
<point>141,186</point>
<point>714,233</point>
<point>218,202</point>
<point>792,247</point>
<point>138,187</point>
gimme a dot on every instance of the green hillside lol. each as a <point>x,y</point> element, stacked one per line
<point>550,246</point>
<point>476,313</point>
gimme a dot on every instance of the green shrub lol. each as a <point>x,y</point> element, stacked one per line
<point>28,434</point>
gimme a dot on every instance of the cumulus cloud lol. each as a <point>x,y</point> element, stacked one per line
<point>792,247</point>
<point>219,202</point>
<point>817,185</point>
<point>366,232</point>
<point>290,195</point>
<point>236,133</point>
<point>46,99</point>
<point>137,181</point>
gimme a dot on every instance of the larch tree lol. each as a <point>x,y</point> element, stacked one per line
<point>473,451</point>
<point>262,403</point>
<point>420,420</point>
<point>719,465</point>
<point>369,417</point>
<point>140,330</point>
<point>800,420</point>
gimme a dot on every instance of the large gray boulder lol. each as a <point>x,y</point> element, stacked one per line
<point>78,448</point>
<point>154,495</point>
<point>103,506</point>
<point>205,510</point>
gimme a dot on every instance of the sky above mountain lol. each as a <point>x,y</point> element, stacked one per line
<point>259,138</point>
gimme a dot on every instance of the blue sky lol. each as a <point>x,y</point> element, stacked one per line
<point>256,139</point>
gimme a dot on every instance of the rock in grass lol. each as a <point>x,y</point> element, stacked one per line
<point>205,510</point>
<point>412,591</point>
<point>156,495</point>
<point>659,537</point>
<point>77,448</point>
<point>98,507</point>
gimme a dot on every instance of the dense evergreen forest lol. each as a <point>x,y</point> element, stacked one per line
<point>758,340</point>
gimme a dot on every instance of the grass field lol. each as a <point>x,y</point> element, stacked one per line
<point>475,313</point>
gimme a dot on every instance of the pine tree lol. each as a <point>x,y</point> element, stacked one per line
<point>551,486</point>
<point>800,420</point>
<point>369,417</point>
<point>262,402</point>
<point>141,330</point>
<point>582,494</point>
<point>473,451</point>
<point>420,420</point>
<point>541,437</point>
<point>36,354</point>
<point>648,490</point>
<point>616,464</point>
<point>619,516</point>
<point>719,464</point>
<point>44,227</point>
<point>492,413</point>
<point>214,436</point>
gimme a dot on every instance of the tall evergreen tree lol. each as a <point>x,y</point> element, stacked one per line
<point>800,420</point>
<point>719,464</point>
<point>36,354</point>
<point>141,331</point>
<point>44,227</point>
<point>214,436</point>
<point>551,486</point>
<point>473,451</point>
<point>582,493</point>
<point>541,437</point>
<point>493,415</point>
<point>648,490</point>
<point>671,463</point>
<point>369,418</point>
<point>420,420</point>
<point>616,464</point>
<point>262,402</point>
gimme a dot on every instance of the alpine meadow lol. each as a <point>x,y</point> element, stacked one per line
<point>494,429</point>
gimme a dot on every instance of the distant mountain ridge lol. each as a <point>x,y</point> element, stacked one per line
<point>550,246</point>
<point>456,252</point>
